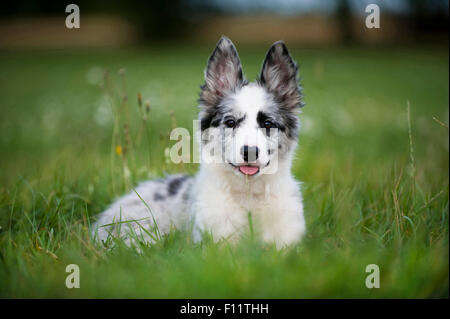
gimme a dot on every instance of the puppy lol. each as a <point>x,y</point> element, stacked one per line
<point>249,133</point>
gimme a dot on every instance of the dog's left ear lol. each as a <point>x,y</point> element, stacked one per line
<point>279,76</point>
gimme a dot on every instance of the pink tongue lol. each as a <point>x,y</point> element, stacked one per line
<point>248,170</point>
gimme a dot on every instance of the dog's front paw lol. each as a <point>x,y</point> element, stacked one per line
<point>225,231</point>
<point>287,231</point>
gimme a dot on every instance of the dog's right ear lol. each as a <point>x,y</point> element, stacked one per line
<point>223,73</point>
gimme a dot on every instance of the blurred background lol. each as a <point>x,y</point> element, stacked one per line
<point>37,23</point>
<point>61,89</point>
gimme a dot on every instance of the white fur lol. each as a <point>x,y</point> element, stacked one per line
<point>222,204</point>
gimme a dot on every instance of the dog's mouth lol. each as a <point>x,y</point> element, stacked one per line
<point>249,170</point>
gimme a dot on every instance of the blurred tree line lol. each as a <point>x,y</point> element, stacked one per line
<point>174,19</point>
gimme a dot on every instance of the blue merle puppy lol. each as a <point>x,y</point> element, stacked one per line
<point>258,124</point>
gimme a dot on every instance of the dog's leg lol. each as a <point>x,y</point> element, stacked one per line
<point>218,216</point>
<point>283,222</point>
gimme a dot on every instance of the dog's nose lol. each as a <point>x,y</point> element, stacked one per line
<point>249,153</point>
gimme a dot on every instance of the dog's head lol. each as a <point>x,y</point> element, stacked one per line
<point>250,126</point>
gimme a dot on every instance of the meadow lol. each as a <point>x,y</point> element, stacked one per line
<point>373,160</point>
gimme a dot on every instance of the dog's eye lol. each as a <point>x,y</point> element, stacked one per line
<point>268,124</point>
<point>230,123</point>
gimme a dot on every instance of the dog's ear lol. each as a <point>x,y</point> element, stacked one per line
<point>223,73</point>
<point>279,76</point>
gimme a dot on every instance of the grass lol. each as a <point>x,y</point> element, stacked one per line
<point>373,159</point>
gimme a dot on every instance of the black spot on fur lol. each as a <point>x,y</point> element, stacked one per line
<point>205,122</point>
<point>158,197</point>
<point>213,116</point>
<point>239,121</point>
<point>288,122</point>
<point>261,117</point>
<point>186,195</point>
<point>175,184</point>
<point>215,122</point>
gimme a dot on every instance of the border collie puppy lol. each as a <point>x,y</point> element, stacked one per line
<point>250,131</point>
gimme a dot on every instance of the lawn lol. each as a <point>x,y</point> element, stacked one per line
<point>374,171</point>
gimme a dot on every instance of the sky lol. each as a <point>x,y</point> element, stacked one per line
<point>307,6</point>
